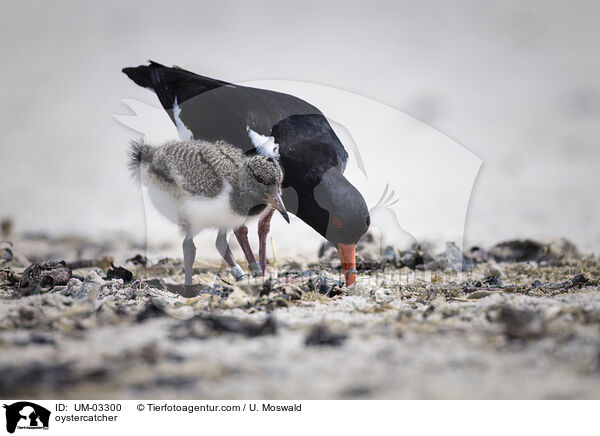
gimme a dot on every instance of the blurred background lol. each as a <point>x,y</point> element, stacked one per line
<point>517,83</point>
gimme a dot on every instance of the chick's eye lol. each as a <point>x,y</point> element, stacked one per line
<point>260,179</point>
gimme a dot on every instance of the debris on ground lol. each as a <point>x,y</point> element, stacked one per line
<point>138,259</point>
<point>44,276</point>
<point>321,335</point>
<point>522,323</point>
<point>98,319</point>
<point>118,272</point>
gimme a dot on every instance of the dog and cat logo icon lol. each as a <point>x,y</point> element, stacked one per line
<point>26,415</point>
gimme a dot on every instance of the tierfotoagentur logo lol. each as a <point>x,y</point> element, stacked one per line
<point>24,415</point>
<point>415,182</point>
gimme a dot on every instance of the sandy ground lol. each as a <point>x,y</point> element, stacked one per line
<point>523,321</point>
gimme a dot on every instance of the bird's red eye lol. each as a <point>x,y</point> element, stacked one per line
<point>336,223</point>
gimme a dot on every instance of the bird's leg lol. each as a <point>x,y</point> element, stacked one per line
<point>241,233</point>
<point>264,225</point>
<point>227,255</point>
<point>189,255</point>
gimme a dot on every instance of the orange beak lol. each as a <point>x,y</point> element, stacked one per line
<point>347,254</point>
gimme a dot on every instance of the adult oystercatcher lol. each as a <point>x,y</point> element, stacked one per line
<point>199,184</point>
<point>311,155</point>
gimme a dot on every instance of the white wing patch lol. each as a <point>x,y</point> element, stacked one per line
<point>265,145</point>
<point>184,133</point>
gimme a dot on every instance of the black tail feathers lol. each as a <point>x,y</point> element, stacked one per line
<point>170,83</point>
<point>143,75</point>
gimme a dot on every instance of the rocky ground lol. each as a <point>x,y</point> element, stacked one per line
<point>521,321</point>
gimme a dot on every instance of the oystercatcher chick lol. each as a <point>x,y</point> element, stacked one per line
<point>200,184</point>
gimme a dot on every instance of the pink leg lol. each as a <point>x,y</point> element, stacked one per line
<point>264,225</point>
<point>241,233</point>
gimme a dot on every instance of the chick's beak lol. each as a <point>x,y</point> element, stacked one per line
<point>347,254</point>
<point>277,203</point>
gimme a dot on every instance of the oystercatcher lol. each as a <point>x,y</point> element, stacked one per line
<point>198,184</point>
<point>311,155</point>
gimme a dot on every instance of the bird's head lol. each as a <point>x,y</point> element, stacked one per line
<point>347,217</point>
<point>261,178</point>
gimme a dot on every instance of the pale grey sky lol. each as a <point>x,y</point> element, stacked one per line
<point>515,82</point>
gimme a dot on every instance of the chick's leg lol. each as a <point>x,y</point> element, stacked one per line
<point>189,255</point>
<point>223,247</point>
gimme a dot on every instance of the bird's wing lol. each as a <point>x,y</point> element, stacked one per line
<point>186,167</point>
<point>196,174</point>
<point>212,109</point>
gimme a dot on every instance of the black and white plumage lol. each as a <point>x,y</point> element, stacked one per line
<point>198,185</point>
<point>311,155</point>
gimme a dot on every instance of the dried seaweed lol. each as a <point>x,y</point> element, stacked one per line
<point>118,272</point>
